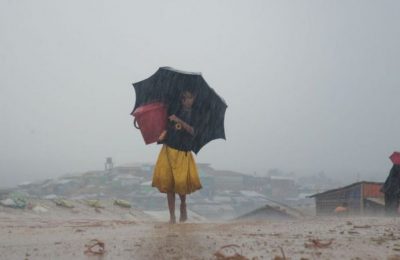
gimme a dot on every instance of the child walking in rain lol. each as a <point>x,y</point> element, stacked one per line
<point>175,171</point>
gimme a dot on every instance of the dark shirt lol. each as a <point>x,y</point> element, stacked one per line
<point>179,138</point>
<point>392,183</point>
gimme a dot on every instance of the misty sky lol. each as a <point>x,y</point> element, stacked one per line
<point>310,85</point>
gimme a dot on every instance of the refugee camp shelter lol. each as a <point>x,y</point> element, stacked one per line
<point>272,210</point>
<point>359,198</point>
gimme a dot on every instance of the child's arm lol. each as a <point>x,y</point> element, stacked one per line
<point>162,136</point>
<point>185,125</point>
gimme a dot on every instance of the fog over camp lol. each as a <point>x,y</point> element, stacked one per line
<point>310,86</point>
<point>267,110</point>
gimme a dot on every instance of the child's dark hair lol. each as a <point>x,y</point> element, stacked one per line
<point>194,94</point>
<point>192,90</point>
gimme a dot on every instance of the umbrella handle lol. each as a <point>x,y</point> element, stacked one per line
<point>135,124</point>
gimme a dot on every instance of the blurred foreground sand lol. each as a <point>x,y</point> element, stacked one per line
<point>131,234</point>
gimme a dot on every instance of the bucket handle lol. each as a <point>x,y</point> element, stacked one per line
<point>135,124</point>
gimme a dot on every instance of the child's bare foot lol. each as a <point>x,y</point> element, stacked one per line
<point>172,220</point>
<point>183,216</point>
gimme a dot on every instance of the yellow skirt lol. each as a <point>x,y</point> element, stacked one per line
<point>175,171</point>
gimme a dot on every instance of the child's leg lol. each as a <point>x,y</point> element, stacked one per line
<point>183,215</point>
<point>171,207</point>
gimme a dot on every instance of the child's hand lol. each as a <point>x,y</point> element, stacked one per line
<point>162,136</point>
<point>173,118</point>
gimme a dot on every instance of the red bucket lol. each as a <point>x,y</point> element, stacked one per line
<point>151,119</point>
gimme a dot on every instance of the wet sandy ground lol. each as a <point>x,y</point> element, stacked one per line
<point>23,237</point>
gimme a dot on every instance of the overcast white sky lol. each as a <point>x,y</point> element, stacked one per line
<point>311,85</point>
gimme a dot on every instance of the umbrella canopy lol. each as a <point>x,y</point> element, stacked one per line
<point>167,84</point>
<point>395,158</point>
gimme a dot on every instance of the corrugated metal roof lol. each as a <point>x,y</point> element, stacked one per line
<point>345,187</point>
<point>379,201</point>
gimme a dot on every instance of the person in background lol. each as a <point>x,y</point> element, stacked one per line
<point>391,189</point>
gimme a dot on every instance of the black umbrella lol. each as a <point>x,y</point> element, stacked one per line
<point>208,111</point>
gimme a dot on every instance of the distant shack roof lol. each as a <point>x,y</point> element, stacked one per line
<point>272,210</point>
<point>283,178</point>
<point>203,164</point>
<point>345,187</point>
<point>134,165</point>
<point>229,173</point>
